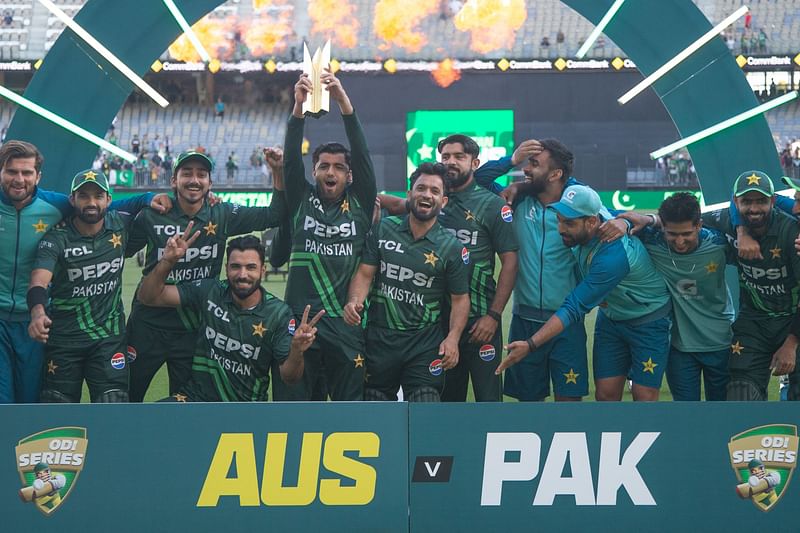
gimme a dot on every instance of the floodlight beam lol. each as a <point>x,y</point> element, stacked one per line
<point>66,124</point>
<point>601,26</point>
<point>105,52</point>
<point>681,56</point>
<point>725,124</point>
<point>187,30</point>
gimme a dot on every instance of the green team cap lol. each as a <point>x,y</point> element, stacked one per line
<point>89,176</point>
<point>578,201</point>
<point>191,155</point>
<point>755,463</point>
<point>41,467</point>
<point>753,180</point>
<point>794,183</point>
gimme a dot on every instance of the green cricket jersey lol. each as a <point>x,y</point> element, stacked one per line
<point>236,346</point>
<point>701,302</point>
<point>86,291</point>
<point>415,276</point>
<point>768,286</point>
<point>482,222</point>
<point>204,259</point>
<point>327,240</point>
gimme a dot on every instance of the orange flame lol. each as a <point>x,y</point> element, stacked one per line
<point>335,20</point>
<point>212,33</point>
<point>395,22</point>
<point>492,23</point>
<point>269,34</point>
<point>446,74</point>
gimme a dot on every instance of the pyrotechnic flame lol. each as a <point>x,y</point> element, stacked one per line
<point>213,33</point>
<point>396,20</point>
<point>446,74</point>
<point>492,23</point>
<point>335,20</point>
<point>269,34</point>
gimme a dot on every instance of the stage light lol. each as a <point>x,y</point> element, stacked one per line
<point>190,34</point>
<point>66,124</point>
<point>599,28</point>
<point>675,61</point>
<point>103,51</point>
<point>725,124</point>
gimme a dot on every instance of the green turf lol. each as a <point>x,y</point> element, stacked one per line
<point>276,284</point>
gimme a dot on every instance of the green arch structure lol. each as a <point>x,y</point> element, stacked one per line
<point>78,84</point>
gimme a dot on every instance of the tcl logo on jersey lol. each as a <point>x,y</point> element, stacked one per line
<point>391,245</point>
<point>465,236</point>
<point>231,345</point>
<point>166,229</point>
<point>204,252</point>
<point>347,481</point>
<point>401,273</point>
<point>95,271</point>
<point>465,256</point>
<point>347,229</point>
<point>77,251</point>
<point>507,213</point>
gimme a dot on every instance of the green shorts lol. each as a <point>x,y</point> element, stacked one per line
<point>754,343</point>
<point>477,361</point>
<point>103,364</point>
<point>404,358</point>
<point>150,348</point>
<point>336,359</point>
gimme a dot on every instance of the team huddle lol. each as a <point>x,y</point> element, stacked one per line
<point>385,292</point>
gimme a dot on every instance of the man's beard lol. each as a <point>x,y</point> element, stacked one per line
<point>244,293</point>
<point>459,179</point>
<point>532,187</point>
<point>424,217</point>
<point>91,218</point>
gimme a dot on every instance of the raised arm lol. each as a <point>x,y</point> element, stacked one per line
<point>294,172</point>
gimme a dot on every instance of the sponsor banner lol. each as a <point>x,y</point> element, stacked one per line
<point>205,467</point>
<point>625,466</point>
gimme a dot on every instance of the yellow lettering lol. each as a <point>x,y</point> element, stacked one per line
<point>272,490</point>
<point>238,448</point>
<point>331,491</point>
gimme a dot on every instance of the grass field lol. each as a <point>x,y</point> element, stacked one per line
<point>276,285</point>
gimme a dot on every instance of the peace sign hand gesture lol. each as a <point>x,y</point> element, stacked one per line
<point>306,333</point>
<point>177,245</point>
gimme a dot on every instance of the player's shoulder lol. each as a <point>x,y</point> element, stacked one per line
<point>712,237</point>
<point>785,221</point>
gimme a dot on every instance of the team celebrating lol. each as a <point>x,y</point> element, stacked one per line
<point>385,293</point>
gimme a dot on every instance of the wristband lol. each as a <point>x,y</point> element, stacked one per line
<point>36,295</point>
<point>531,344</point>
<point>652,219</point>
<point>494,315</point>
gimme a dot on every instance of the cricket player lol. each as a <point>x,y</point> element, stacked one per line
<point>692,261</point>
<point>330,221</point>
<point>243,328</point>
<point>47,497</point>
<point>415,264</point>
<point>155,334</point>
<point>766,332</point>
<point>547,270</point>
<point>84,327</point>
<point>26,213</point>
<point>633,323</point>
<point>483,223</point>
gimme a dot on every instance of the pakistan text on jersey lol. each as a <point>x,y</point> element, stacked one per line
<point>337,248</point>
<point>401,295</point>
<point>229,365</point>
<point>186,274</point>
<point>769,290</point>
<point>96,289</point>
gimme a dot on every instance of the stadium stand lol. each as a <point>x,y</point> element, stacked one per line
<point>191,126</point>
<point>540,35</point>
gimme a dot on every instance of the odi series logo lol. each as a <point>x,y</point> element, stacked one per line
<point>764,458</point>
<point>49,463</point>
